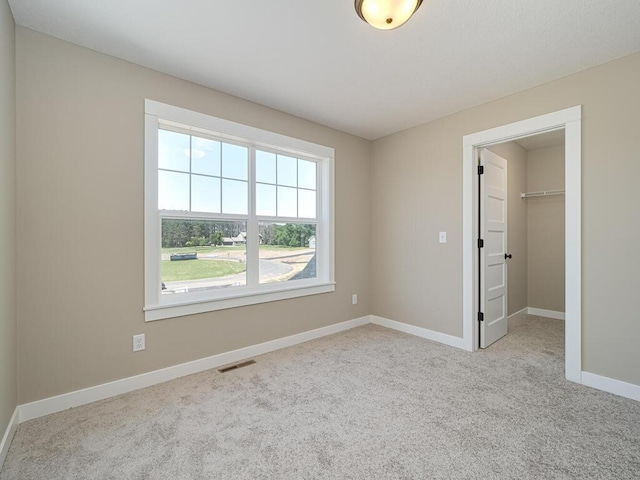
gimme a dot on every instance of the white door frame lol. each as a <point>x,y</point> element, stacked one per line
<point>570,120</point>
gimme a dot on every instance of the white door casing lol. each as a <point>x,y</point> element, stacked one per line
<point>493,232</point>
<point>569,119</point>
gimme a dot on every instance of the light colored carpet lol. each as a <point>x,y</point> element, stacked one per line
<point>369,403</point>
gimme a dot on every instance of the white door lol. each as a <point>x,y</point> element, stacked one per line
<point>493,231</point>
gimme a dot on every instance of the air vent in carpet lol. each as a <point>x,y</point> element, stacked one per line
<point>237,365</point>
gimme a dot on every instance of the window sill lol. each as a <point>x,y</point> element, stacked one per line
<point>161,312</point>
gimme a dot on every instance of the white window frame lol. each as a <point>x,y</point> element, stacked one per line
<point>158,306</point>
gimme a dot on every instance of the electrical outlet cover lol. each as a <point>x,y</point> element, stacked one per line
<point>139,342</point>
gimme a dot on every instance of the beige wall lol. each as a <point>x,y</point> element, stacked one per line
<point>8,381</point>
<point>517,267</point>
<point>545,171</point>
<point>417,191</point>
<point>80,223</point>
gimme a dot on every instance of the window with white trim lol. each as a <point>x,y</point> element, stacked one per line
<point>234,215</point>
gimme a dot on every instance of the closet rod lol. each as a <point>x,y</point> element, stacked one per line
<point>542,193</point>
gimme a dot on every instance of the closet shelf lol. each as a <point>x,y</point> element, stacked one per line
<point>542,193</point>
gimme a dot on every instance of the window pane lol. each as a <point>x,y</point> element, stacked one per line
<point>173,151</point>
<point>265,199</point>
<point>205,156</point>
<point>173,191</point>
<point>287,252</point>
<point>287,202</point>
<point>306,174</point>
<point>234,197</point>
<point>287,171</point>
<point>202,255</point>
<point>307,203</point>
<point>234,161</point>
<point>205,194</point>
<point>265,167</point>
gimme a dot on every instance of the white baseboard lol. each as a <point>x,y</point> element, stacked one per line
<point>450,340</point>
<point>524,310</point>
<point>617,387</point>
<point>8,435</point>
<point>59,403</point>
<point>545,313</point>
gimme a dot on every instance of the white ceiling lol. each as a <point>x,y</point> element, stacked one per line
<point>542,140</point>
<point>319,61</point>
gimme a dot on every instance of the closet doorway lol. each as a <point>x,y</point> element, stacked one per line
<point>569,121</point>
<point>521,217</point>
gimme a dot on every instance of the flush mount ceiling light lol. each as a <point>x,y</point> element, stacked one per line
<point>386,14</point>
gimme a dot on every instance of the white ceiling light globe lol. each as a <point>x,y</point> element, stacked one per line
<point>386,14</point>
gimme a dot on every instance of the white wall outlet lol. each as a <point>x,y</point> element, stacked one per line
<point>354,299</point>
<point>443,237</point>
<point>138,342</point>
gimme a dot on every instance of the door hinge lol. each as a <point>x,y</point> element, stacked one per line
<point>480,317</point>
<point>480,243</point>
<point>480,169</point>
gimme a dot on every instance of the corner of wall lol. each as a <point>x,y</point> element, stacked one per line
<point>8,301</point>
